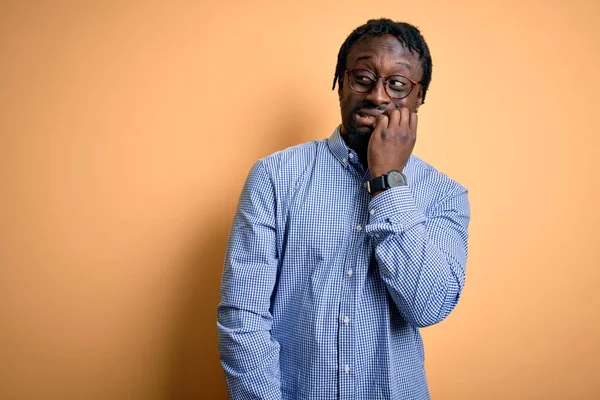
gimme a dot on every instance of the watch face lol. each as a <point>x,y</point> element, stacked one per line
<point>395,178</point>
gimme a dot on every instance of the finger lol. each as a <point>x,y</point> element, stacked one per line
<point>381,123</point>
<point>414,119</point>
<point>405,118</point>
<point>394,118</point>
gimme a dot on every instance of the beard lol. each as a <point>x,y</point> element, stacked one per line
<point>359,142</point>
<point>358,138</point>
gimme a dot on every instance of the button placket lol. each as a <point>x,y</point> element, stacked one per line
<point>347,312</point>
<point>346,335</point>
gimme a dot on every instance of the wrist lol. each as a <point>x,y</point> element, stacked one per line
<point>388,180</point>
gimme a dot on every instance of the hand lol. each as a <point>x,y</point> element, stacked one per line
<point>392,141</point>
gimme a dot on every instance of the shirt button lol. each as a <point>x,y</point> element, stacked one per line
<point>372,211</point>
<point>346,320</point>
<point>347,368</point>
<point>344,160</point>
<point>349,273</point>
<point>359,228</point>
<point>350,155</point>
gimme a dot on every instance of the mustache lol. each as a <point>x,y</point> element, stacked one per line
<point>367,105</point>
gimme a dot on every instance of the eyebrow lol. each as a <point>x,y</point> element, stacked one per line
<point>403,63</point>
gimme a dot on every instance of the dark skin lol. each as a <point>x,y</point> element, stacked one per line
<point>381,130</point>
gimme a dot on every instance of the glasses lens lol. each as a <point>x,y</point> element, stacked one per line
<point>398,86</point>
<point>362,80</point>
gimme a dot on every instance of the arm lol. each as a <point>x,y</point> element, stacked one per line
<point>249,355</point>
<point>421,258</point>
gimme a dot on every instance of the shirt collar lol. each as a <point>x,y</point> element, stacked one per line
<point>341,152</point>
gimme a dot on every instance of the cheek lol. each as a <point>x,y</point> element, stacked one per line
<point>345,106</point>
<point>409,102</point>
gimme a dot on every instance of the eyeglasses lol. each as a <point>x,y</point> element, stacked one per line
<point>396,86</point>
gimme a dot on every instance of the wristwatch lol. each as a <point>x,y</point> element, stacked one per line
<point>394,178</point>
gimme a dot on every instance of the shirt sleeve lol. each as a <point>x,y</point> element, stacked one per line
<point>249,354</point>
<point>421,258</point>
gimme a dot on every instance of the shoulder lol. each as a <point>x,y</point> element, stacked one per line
<point>423,172</point>
<point>276,176</point>
<point>292,158</point>
<point>429,185</point>
<point>282,169</point>
<point>286,168</point>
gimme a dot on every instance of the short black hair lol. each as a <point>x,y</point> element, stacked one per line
<point>407,34</point>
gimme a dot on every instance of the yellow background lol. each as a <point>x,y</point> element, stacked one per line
<point>128,128</point>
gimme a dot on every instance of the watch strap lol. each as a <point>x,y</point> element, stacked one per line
<point>377,184</point>
<point>382,182</point>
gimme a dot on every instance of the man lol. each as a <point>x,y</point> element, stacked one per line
<point>342,249</point>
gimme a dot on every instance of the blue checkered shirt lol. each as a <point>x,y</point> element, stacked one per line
<point>324,287</point>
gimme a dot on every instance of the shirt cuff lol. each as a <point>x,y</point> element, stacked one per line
<point>393,209</point>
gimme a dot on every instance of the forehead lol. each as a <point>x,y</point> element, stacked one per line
<point>382,52</point>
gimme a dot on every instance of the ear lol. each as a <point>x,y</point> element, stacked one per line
<point>419,99</point>
<point>340,83</point>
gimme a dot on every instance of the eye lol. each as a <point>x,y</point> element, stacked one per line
<point>363,78</point>
<point>398,83</point>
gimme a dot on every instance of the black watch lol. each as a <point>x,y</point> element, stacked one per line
<point>394,178</point>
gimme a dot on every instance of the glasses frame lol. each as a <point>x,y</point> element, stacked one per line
<point>385,81</point>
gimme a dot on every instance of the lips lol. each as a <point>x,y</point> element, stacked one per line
<point>366,117</point>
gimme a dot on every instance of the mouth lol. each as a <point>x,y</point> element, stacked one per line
<point>366,117</point>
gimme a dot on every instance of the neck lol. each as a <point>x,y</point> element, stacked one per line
<point>360,144</point>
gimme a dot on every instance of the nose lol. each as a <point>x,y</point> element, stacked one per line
<point>378,95</point>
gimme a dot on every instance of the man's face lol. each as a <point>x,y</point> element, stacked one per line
<point>383,56</point>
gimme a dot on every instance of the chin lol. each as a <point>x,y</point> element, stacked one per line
<point>361,130</point>
<point>349,128</point>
